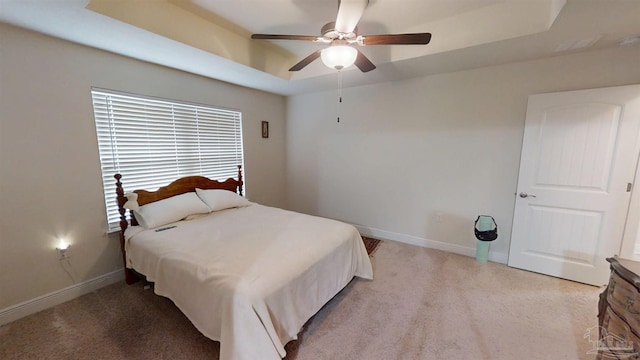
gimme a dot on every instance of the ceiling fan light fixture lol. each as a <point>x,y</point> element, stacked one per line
<point>339,57</point>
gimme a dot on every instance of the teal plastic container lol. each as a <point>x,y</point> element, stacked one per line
<point>482,251</point>
<point>484,223</point>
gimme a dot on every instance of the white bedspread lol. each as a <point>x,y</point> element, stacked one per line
<point>250,277</point>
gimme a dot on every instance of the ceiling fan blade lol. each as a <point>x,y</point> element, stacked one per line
<point>306,61</point>
<point>283,37</point>
<point>349,13</point>
<point>397,39</point>
<point>363,63</point>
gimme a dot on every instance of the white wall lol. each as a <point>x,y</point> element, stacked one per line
<point>406,153</point>
<point>50,182</point>
<point>403,153</point>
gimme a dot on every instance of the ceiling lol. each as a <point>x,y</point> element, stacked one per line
<point>211,37</point>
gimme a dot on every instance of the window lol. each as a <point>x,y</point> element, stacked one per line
<point>152,142</point>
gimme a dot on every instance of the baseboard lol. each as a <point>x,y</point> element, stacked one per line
<point>414,240</point>
<point>40,303</point>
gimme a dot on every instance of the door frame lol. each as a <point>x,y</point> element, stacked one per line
<point>631,232</point>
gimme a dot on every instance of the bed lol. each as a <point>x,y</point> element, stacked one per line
<point>246,275</point>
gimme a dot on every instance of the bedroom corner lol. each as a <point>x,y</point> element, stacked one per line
<point>50,178</point>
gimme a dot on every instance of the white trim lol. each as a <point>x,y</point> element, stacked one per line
<point>40,303</point>
<point>432,244</point>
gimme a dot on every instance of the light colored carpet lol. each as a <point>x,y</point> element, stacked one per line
<point>423,304</point>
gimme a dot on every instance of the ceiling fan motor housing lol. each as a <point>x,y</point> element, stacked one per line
<point>329,32</point>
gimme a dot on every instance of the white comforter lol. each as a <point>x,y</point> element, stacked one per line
<point>250,277</point>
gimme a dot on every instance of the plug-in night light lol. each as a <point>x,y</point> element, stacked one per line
<point>62,245</point>
<point>63,249</point>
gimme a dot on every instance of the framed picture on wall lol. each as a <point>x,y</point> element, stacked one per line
<point>265,129</point>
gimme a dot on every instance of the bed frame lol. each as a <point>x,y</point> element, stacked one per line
<point>180,186</point>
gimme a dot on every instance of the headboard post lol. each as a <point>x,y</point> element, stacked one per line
<point>240,182</point>
<point>121,200</point>
<point>129,275</point>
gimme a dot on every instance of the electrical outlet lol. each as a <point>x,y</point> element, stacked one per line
<point>64,253</point>
<point>439,217</point>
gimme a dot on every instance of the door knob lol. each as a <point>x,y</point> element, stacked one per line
<point>525,195</point>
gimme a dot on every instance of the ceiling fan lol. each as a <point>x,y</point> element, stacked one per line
<point>342,35</point>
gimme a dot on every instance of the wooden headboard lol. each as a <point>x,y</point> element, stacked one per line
<point>179,186</point>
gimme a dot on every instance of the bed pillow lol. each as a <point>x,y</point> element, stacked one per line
<point>170,210</point>
<point>217,199</point>
<point>132,202</point>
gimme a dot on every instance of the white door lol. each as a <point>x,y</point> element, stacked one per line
<point>579,157</point>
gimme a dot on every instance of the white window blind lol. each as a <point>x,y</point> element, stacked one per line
<point>152,142</point>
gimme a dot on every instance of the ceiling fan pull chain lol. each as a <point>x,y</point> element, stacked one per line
<point>339,92</point>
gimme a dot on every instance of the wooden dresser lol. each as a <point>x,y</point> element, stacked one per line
<point>619,312</point>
